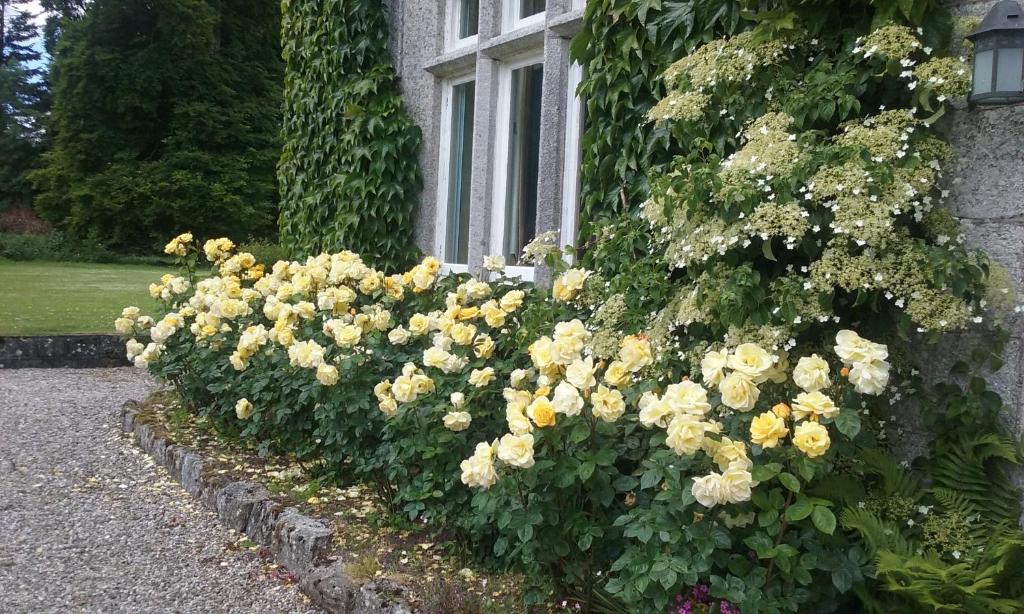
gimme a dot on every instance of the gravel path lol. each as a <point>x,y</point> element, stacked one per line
<point>88,523</point>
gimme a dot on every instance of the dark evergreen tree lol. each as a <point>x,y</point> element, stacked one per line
<point>23,100</point>
<point>165,119</point>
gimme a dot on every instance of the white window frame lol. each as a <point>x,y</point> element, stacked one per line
<point>573,156</point>
<point>444,172</point>
<point>451,28</point>
<point>579,4</point>
<point>501,157</point>
<point>510,20</point>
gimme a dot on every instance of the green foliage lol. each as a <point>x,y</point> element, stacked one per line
<point>165,116</point>
<point>23,102</point>
<point>56,246</point>
<point>348,172</point>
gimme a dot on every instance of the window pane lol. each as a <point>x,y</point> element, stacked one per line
<point>983,72</point>
<point>460,174</point>
<point>524,150</point>
<point>469,17</point>
<point>1008,69</point>
<point>531,7</point>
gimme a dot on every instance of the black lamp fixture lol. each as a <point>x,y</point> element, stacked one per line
<point>999,56</point>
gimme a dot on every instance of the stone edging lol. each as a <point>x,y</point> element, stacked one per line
<point>60,351</point>
<point>300,543</point>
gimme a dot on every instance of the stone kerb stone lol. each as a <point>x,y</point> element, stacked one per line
<point>300,543</point>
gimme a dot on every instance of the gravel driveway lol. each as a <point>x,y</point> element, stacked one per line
<point>88,523</point>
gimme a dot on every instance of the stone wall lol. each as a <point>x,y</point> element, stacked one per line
<point>73,351</point>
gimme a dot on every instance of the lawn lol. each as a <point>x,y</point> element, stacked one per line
<point>60,297</point>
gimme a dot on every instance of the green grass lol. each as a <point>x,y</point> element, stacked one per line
<point>65,297</point>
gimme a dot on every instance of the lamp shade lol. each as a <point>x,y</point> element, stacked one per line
<point>999,56</point>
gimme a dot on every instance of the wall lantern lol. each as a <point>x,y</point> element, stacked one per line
<point>999,56</point>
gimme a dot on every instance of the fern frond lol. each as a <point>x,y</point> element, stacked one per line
<point>876,533</point>
<point>896,479</point>
<point>973,467</point>
<point>942,587</point>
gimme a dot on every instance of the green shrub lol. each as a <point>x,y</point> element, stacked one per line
<point>58,247</point>
<point>264,251</point>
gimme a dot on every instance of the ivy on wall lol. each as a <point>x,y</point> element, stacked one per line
<point>348,171</point>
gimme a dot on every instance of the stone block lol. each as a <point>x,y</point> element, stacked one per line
<point>192,474</point>
<point>299,541</point>
<point>235,503</point>
<point>262,519</point>
<point>987,177</point>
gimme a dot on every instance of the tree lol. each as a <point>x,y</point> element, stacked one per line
<point>165,119</point>
<point>23,101</point>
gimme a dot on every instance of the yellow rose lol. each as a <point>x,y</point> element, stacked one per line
<point>478,470</point>
<point>542,353</point>
<point>467,313</point>
<point>419,324</point>
<point>435,357</point>
<point>424,385</point>
<point>811,438</point>
<point>404,389</point>
<point>124,325</point>
<point>388,406</point>
<point>483,346</point>
<point>567,399</point>
<point>635,353</point>
<point>617,374</point>
<point>607,404</point>
<point>870,377</point>
<point>327,374</point>
<point>738,392</point>
<point>382,390</point>
<point>727,452</point>
<point>348,335</point>
<point>581,374</point>
<point>712,365</point>
<point>734,487</point>
<point>463,334</point>
<point>707,490</point>
<point>518,377</point>
<point>688,398</point>
<point>811,373</point>
<point>767,429</point>
<point>399,336</point>
<point>853,348</point>
<point>243,409</point>
<point>481,377</point>
<point>814,405</point>
<point>752,361</point>
<point>542,412</point>
<point>685,434</point>
<point>456,421</point>
<point>516,450</point>
<point>518,423</point>
<point>654,411</point>
<point>568,284</point>
<point>512,300</point>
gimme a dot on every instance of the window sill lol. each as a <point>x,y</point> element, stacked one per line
<point>512,43</point>
<point>454,62</point>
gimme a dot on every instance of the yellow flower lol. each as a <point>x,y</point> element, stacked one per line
<point>853,348</point>
<point>568,284</point>
<point>478,470</point>
<point>388,406</point>
<point>738,392</point>
<point>567,399</point>
<point>404,389</point>
<point>399,336</point>
<point>481,377</point>
<point>752,361</point>
<point>542,412</point>
<point>463,334</point>
<point>814,405</point>
<point>516,450</point>
<point>327,374</point>
<point>467,313</point>
<point>707,490</point>
<point>767,429</point>
<point>617,374</point>
<point>456,421</point>
<point>685,434</point>
<point>541,353</point>
<point>178,246</point>
<point>419,324</point>
<point>812,439</point>
<point>735,484</point>
<point>635,353</point>
<point>493,314</point>
<point>728,451</point>
<point>811,373</point>
<point>607,404</point>
<point>483,346</point>
<point>581,374</point>
<point>687,397</point>
<point>712,365</point>
<point>512,300</point>
<point>243,409</point>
